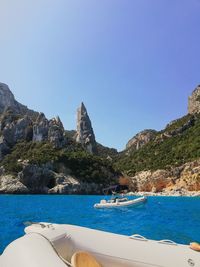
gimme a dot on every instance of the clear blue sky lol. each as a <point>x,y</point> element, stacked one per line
<point>132,62</point>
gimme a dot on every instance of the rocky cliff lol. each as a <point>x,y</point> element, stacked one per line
<point>32,147</point>
<point>176,127</point>
<point>166,161</point>
<point>141,139</point>
<point>18,123</point>
<point>34,179</point>
<point>177,180</point>
<point>49,130</point>
<point>194,101</point>
<point>7,100</point>
<point>85,134</point>
<point>38,155</point>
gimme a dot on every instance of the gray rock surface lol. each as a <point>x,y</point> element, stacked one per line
<point>13,128</point>
<point>56,132</point>
<point>141,139</point>
<point>17,131</point>
<point>7,100</point>
<point>85,134</point>
<point>40,128</point>
<point>70,185</point>
<point>51,130</point>
<point>11,185</point>
<point>34,179</point>
<point>4,149</point>
<point>194,101</point>
<point>177,179</point>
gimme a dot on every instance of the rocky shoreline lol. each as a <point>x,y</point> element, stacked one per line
<point>43,180</point>
<point>166,194</point>
<point>177,181</point>
<point>48,179</point>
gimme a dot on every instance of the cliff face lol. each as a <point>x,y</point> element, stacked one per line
<point>164,161</point>
<point>144,137</point>
<point>18,123</point>
<point>167,160</point>
<point>141,139</point>
<point>85,134</point>
<point>33,149</point>
<point>194,101</point>
<point>49,130</point>
<point>7,100</point>
<point>34,179</point>
<point>180,179</point>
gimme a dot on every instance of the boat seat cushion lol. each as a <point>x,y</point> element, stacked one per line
<point>83,259</point>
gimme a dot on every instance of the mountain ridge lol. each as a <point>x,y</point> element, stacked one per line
<point>32,147</point>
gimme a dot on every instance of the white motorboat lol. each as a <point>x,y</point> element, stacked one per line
<point>53,245</point>
<point>120,202</point>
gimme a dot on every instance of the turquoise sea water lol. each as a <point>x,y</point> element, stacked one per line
<point>175,218</point>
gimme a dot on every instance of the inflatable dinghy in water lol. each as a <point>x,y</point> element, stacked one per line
<point>52,245</point>
<point>120,202</point>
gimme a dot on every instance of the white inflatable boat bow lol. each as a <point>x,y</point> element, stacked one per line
<point>53,245</point>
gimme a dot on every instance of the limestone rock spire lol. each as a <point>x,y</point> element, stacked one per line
<point>85,134</point>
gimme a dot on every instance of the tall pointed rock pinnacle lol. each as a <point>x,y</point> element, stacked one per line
<point>85,134</point>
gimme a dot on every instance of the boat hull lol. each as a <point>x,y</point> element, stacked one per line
<point>46,246</point>
<point>133,202</point>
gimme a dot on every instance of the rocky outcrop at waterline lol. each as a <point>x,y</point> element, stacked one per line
<point>185,178</point>
<point>34,179</point>
<point>141,139</point>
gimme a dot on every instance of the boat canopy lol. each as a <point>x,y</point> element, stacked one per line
<point>114,189</point>
<point>111,189</point>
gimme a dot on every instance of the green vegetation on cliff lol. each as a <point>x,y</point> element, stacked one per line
<point>165,151</point>
<point>80,163</point>
<point>177,144</point>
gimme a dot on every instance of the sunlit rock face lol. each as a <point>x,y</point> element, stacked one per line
<point>56,132</point>
<point>18,123</point>
<point>49,130</point>
<point>194,101</point>
<point>141,139</point>
<point>183,178</point>
<point>40,128</point>
<point>6,98</point>
<point>85,134</point>
<point>13,128</point>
